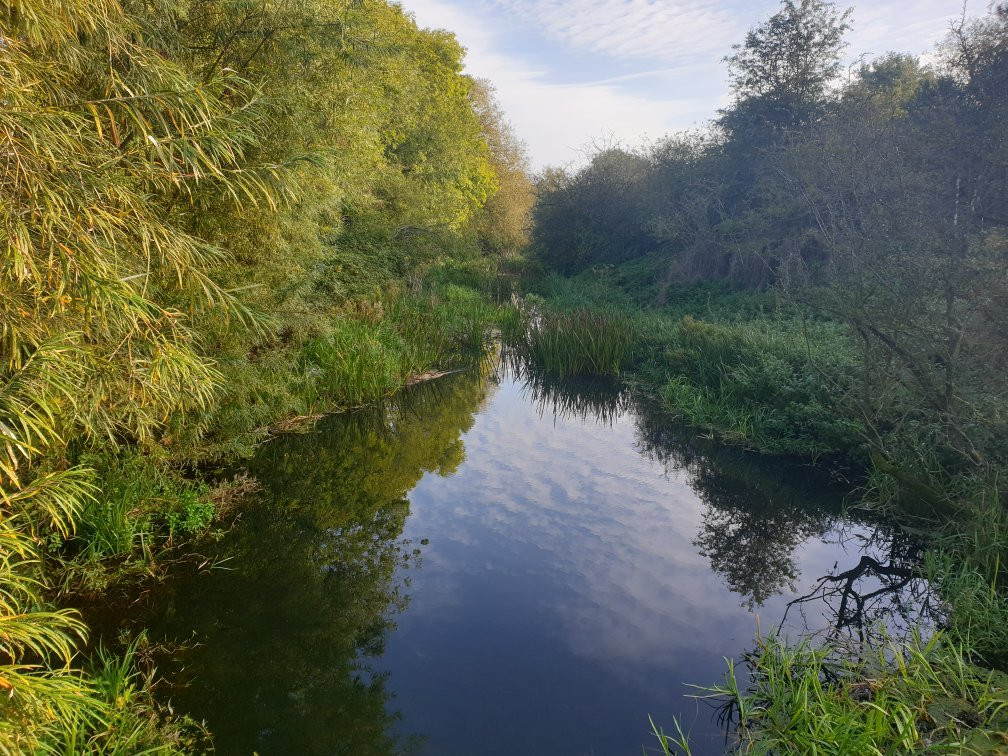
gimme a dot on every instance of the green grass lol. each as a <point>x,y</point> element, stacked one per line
<point>354,363</point>
<point>768,384</point>
<point>637,285</point>
<point>124,719</point>
<point>140,503</point>
<point>362,360</point>
<point>576,342</point>
<point>902,698</point>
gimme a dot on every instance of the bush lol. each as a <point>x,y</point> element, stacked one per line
<point>765,383</point>
<point>138,500</point>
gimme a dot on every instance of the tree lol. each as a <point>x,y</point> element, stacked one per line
<point>782,73</point>
<point>911,206</point>
<point>106,144</point>
<point>594,216</point>
<point>503,224</point>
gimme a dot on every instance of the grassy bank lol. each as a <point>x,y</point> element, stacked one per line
<point>739,365</point>
<point>754,370</point>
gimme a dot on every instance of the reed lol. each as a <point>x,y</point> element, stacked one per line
<point>578,342</point>
<point>360,361</point>
<point>900,698</point>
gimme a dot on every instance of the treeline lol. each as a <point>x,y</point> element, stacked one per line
<point>750,198</point>
<point>216,215</point>
<point>877,199</point>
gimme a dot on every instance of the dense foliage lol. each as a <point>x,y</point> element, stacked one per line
<point>216,215</point>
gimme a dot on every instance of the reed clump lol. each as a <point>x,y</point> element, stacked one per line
<point>901,698</point>
<point>362,360</point>
<point>578,342</point>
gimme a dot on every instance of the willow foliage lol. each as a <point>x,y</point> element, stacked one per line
<point>180,184</point>
<point>105,143</point>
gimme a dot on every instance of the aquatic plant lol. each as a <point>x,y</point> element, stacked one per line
<point>577,342</point>
<point>897,699</point>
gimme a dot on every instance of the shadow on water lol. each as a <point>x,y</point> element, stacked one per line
<point>882,594</point>
<point>285,641</point>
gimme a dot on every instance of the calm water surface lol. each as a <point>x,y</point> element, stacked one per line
<point>493,566</point>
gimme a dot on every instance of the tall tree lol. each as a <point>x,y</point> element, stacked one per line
<point>503,224</point>
<point>782,72</point>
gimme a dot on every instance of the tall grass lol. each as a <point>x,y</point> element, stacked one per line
<point>577,342</point>
<point>769,384</point>
<point>354,363</point>
<point>125,718</point>
<point>896,699</point>
<point>364,359</point>
<point>138,500</point>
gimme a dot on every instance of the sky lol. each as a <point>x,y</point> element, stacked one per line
<point>573,73</point>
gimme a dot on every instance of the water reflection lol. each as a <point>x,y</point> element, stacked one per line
<point>287,636</point>
<point>759,511</point>
<point>587,561</point>
<point>596,399</point>
<point>880,594</point>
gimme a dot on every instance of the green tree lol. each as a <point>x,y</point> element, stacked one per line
<point>911,206</point>
<point>107,143</point>
<point>503,224</point>
<point>594,215</point>
<point>782,73</point>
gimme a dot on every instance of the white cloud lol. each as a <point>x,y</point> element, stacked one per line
<point>666,56</point>
<point>654,29</point>
<point>558,119</point>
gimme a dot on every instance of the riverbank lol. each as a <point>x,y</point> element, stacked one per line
<point>152,512</point>
<point>206,240</point>
<point>759,370</point>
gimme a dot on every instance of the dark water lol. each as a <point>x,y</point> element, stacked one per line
<point>486,566</point>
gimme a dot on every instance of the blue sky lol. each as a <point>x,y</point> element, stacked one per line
<point>573,72</point>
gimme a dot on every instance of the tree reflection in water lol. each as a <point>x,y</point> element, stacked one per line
<point>759,510</point>
<point>322,575</point>
<point>883,595</point>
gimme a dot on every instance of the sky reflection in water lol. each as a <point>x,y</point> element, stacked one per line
<point>573,577</point>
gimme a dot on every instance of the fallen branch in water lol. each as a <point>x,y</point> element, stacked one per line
<point>430,375</point>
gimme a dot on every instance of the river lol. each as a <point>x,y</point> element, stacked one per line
<point>491,564</point>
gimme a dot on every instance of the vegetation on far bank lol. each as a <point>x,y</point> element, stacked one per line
<point>820,274</point>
